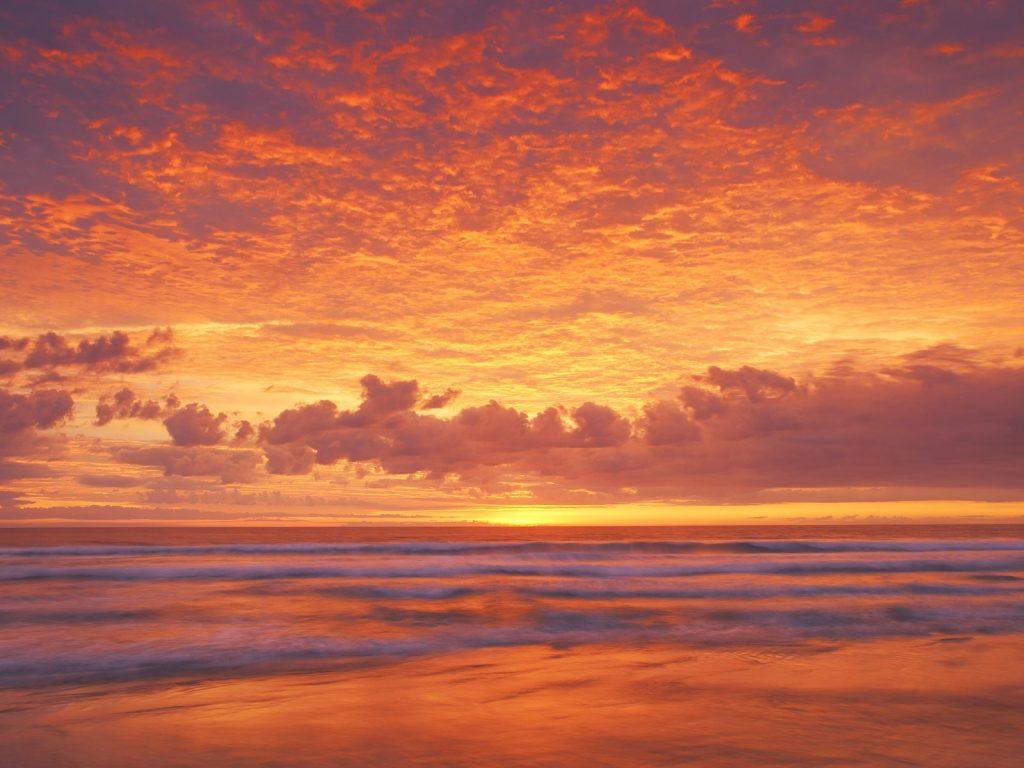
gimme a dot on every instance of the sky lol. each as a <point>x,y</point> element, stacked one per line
<point>511,262</point>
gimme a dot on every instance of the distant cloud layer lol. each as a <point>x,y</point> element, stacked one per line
<point>938,421</point>
<point>750,431</point>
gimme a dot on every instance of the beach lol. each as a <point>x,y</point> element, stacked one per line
<point>506,647</point>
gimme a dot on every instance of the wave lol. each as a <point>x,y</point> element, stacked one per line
<point>769,593</point>
<point>792,546</point>
<point>102,613</point>
<point>27,618</point>
<point>526,570</point>
<point>239,652</point>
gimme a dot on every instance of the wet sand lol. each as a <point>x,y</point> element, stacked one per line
<point>955,702</point>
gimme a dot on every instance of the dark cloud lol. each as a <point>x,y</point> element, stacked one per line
<point>17,344</point>
<point>440,400</point>
<point>700,402</point>
<point>386,430</point>
<point>47,377</point>
<point>52,349</point>
<point>126,404</point>
<point>21,417</point>
<point>383,398</point>
<point>244,432</point>
<point>104,512</point>
<point>289,459</point>
<point>665,423</point>
<point>8,367</point>
<point>109,481</point>
<point>599,425</point>
<point>22,414</point>
<point>231,466</point>
<point>160,337</point>
<point>764,433</point>
<point>755,383</point>
<point>950,355</point>
<point>10,502</point>
<point>926,374</point>
<point>296,423</point>
<point>941,364</point>
<point>196,425</point>
<point>113,353</point>
<point>20,470</point>
<point>380,400</point>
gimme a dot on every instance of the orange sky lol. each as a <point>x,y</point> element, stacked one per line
<point>601,262</point>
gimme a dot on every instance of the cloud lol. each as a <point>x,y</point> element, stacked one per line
<point>20,470</point>
<point>109,481</point>
<point>21,418</point>
<point>381,399</point>
<point>21,415</point>
<point>189,425</point>
<point>194,424</point>
<point>440,400</point>
<point>126,404</point>
<point>606,302</point>
<point>540,204</point>
<point>18,344</point>
<point>296,423</point>
<point>120,513</point>
<point>702,403</point>
<point>330,331</point>
<point>112,353</point>
<point>39,410</point>
<point>756,384</point>
<point>666,423</point>
<point>941,364</point>
<point>762,433</point>
<point>599,425</point>
<point>289,459</point>
<point>384,429</point>
<point>230,465</point>
<point>244,432</point>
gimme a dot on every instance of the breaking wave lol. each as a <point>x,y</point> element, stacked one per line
<point>158,611</point>
<point>599,570</point>
<point>795,546</point>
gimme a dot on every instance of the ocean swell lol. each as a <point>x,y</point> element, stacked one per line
<point>101,613</point>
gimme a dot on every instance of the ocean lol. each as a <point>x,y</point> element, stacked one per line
<point>506,646</point>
